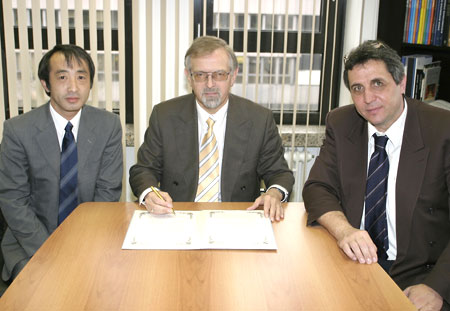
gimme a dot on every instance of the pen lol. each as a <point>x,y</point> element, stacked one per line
<point>159,195</point>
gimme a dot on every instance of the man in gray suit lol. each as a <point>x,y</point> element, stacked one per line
<point>244,136</point>
<point>30,156</point>
<point>414,201</point>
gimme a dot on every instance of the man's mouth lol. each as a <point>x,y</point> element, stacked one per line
<point>373,110</point>
<point>72,99</point>
<point>210,92</point>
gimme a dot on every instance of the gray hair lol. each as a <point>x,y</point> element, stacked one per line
<point>206,45</point>
<point>374,50</point>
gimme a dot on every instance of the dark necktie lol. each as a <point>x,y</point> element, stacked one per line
<point>376,194</point>
<point>68,193</point>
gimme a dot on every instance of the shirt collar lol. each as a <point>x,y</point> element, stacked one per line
<point>218,117</point>
<point>61,122</point>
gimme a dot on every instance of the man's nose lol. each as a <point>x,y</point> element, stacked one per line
<point>73,85</point>
<point>369,96</point>
<point>210,81</point>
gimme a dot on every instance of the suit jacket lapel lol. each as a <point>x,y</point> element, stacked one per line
<point>46,138</point>
<point>237,133</point>
<point>86,137</point>
<point>186,136</point>
<point>355,166</point>
<point>413,160</point>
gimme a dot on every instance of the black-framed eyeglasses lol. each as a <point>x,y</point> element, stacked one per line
<point>202,76</point>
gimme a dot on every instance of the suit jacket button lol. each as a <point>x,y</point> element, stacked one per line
<point>243,188</point>
<point>175,183</point>
<point>432,243</point>
<point>430,210</point>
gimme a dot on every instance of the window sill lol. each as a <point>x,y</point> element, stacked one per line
<point>312,136</point>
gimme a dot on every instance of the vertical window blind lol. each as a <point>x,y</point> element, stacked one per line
<point>288,50</point>
<point>32,27</point>
<point>289,59</point>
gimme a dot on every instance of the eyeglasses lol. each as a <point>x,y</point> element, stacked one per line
<point>201,76</point>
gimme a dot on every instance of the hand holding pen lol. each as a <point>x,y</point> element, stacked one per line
<point>158,202</point>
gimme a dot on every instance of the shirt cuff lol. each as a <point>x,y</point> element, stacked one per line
<point>283,191</point>
<point>144,194</point>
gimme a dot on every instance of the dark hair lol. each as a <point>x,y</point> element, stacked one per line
<point>206,45</point>
<point>71,52</point>
<point>374,50</point>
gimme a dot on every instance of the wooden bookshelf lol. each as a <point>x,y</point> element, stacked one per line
<point>391,17</point>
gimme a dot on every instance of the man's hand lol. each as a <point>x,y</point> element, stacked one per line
<point>157,206</point>
<point>424,297</point>
<point>355,243</point>
<point>271,200</point>
<point>358,245</point>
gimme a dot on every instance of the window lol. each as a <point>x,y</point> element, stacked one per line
<point>271,76</point>
<point>36,100</point>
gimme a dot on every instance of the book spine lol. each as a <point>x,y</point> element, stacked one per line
<point>433,6</point>
<point>412,21</point>
<point>440,26</point>
<point>423,10</point>
<point>446,32</point>
<point>416,22</point>
<point>409,76</point>
<point>427,22</point>
<point>435,23</point>
<point>407,21</point>
<point>423,85</point>
<point>418,84</point>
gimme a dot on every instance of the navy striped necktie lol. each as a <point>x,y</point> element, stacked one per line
<point>376,195</point>
<point>68,192</point>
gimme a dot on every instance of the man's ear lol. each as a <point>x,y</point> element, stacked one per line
<point>44,85</point>
<point>188,76</point>
<point>234,75</point>
<point>402,84</point>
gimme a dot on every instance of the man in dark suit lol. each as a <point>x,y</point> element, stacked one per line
<point>415,203</point>
<point>30,156</point>
<point>244,136</point>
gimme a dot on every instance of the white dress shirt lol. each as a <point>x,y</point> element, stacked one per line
<point>393,148</point>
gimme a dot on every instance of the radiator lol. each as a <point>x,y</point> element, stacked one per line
<point>301,163</point>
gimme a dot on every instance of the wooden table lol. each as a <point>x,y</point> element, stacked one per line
<point>82,267</point>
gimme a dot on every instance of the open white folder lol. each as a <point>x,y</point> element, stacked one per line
<point>207,229</point>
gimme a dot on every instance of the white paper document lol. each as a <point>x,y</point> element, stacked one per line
<point>208,229</point>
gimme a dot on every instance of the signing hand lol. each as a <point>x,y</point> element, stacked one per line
<point>157,206</point>
<point>271,200</point>
<point>424,297</point>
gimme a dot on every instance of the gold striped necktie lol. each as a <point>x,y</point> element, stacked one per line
<point>208,181</point>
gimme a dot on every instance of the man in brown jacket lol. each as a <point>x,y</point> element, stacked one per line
<point>416,253</point>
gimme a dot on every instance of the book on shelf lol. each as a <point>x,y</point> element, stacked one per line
<point>427,22</point>
<point>414,65</point>
<point>446,31</point>
<point>406,26</point>
<point>430,82</point>
<point>422,16</point>
<point>438,38</point>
